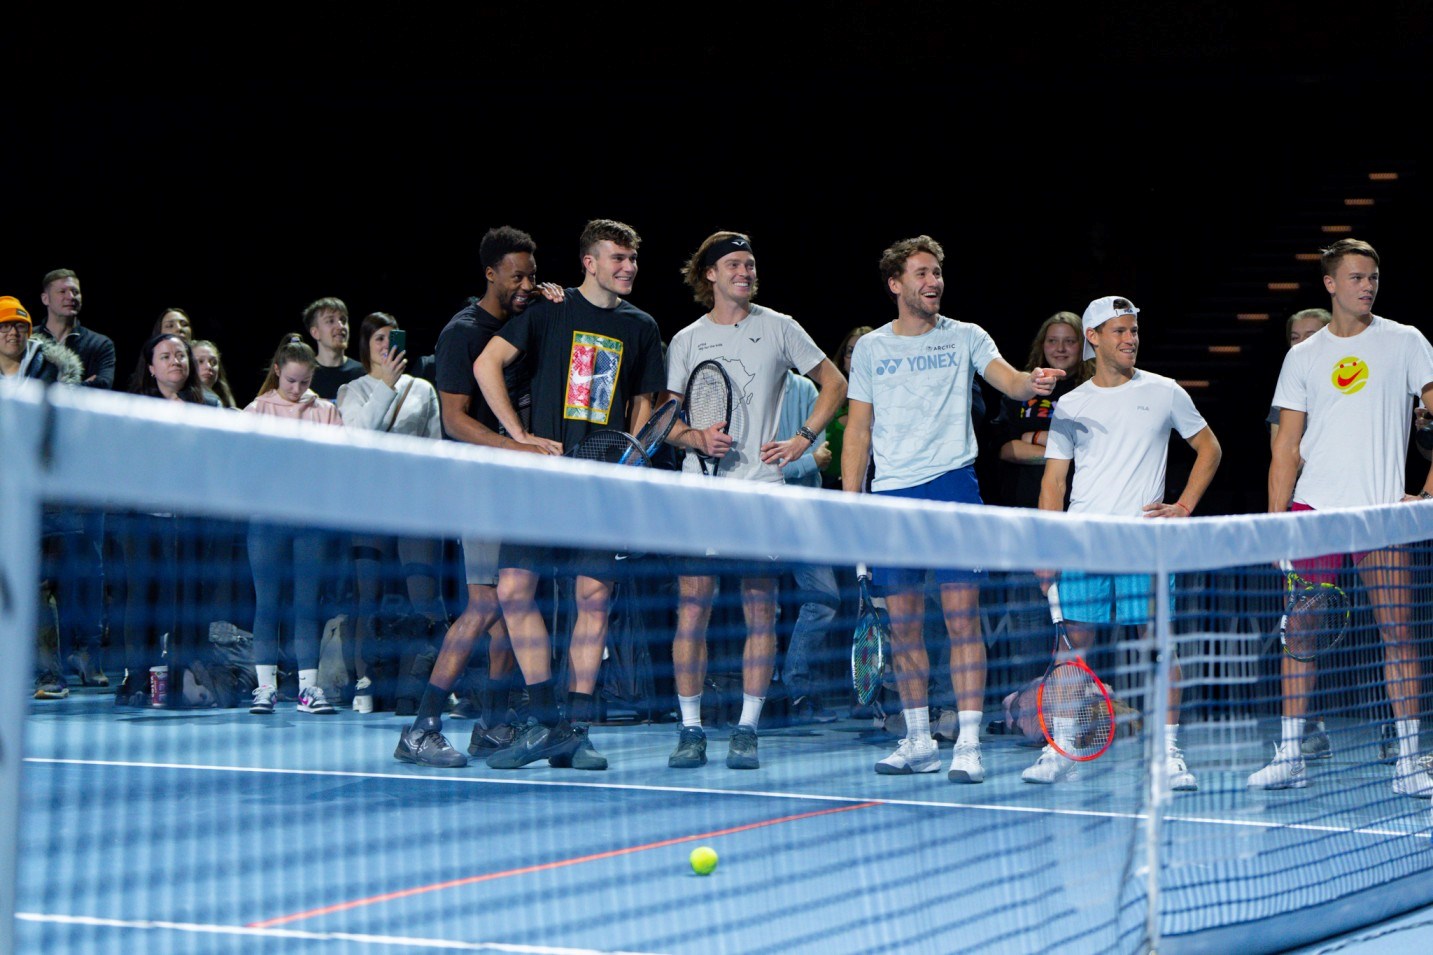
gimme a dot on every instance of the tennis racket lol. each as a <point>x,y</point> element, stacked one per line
<point>708,402</point>
<point>870,645</point>
<point>1076,714</point>
<point>654,432</point>
<point>611,447</point>
<point>1316,616</point>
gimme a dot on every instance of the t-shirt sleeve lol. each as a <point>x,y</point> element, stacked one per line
<point>1420,363</point>
<point>1290,392</point>
<point>982,349</point>
<point>519,331</point>
<point>799,347</point>
<point>859,388</point>
<point>1186,418</point>
<point>1060,443</point>
<point>654,375</point>
<point>457,349</point>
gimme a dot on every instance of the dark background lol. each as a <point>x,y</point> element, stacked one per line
<point>240,162</point>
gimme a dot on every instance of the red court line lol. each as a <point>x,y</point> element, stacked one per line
<point>546,866</point>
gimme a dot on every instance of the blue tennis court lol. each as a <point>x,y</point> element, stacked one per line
<point>221,831</point>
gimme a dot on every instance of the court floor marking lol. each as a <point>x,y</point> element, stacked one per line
<point>405,942</point>
<point>766,794</point>
<point>548,866</point>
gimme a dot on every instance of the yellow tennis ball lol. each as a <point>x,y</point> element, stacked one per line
<point>704,860</point>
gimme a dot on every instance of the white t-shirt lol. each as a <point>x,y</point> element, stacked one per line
<point>1119,440</point>
<point>918,387</point>
<point>756,352</point>
<point>1355,392</point>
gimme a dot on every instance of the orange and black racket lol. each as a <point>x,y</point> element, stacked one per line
<point>1074,706</point>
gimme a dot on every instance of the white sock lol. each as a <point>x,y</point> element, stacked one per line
<point>1065,732</point>
<point>1171,736</point>
<point>691,707</point>
<point>1294,734</point>
<point>918,724</point>
<point>268,675</point>
<point>307,679</point>
<point>1407,739</point>
<point>969,726</point>
<point>751,709</point>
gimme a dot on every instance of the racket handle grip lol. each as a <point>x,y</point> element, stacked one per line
<point>1054,597</point>
<point>862,571</point>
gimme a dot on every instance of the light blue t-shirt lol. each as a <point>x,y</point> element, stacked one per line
<point>919,391</point>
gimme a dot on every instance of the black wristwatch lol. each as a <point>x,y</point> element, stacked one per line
<point>1424,495</point>
<point>807,433</point>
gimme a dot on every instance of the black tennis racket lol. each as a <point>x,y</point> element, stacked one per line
<point>870,644</point>
<point>1316,616</point>
<point>654,432</point>
<point>611,447</point>
<point>1074,706</point>
<point>708,402</point>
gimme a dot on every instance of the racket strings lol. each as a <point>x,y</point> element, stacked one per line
<point>654,432</point>
<point>609,447</point>
<point>1079,711</point>
<point>1317,620</point>
<point>708,399</point>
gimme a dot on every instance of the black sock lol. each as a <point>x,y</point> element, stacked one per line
<point>541,704</point>
<point>431,706</point>
<point>581,707</point>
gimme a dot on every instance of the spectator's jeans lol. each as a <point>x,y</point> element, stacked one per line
<point>75,562</point>
<point>279,557</point>
<point>816,588</point>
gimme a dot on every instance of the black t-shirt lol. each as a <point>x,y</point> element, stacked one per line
<point>327,381</point>
<point>459,345</point>
<point>588,363</point>
<point>1020,483</point>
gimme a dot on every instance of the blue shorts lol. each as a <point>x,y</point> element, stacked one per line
<point>1106,598</point>
<point>953,487</point>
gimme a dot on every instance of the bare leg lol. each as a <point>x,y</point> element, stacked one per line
<point>689,644</point>
<point>1386,576</point>
<point>912,664</point>
<point>960,604</point>
<point>517,593</point>
<point>758,604</point>
<point>589,633</point>
<point>480,614</point>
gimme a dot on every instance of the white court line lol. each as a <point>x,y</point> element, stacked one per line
<point>404,941</point>
<point>695,790</point>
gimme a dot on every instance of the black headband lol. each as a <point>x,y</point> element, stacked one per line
<point>725,247</point>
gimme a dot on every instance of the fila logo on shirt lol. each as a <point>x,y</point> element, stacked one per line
<point>1350,374</point>
<point>939,360</point>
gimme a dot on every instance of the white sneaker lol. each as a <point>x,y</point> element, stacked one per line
<point>312,700</point>
<point>1051,767</point>
<point>1411,779</point>
<point>1181,780</point>
<point>264,697</point>
<point>965,766</point>
<point>911,756</point>
<point>1285,772</point>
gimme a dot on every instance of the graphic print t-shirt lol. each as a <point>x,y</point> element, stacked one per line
<point>587,363</point>
<point>1357,393</point>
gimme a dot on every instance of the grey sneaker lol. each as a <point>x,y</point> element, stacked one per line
<point>1316,743</point>
<point>741,751</point>
<point>1286,771</point>
<point>580,755</point>
<point>691,751</point>
<point>264,697</point>
<point>965,765</point>
<point>532,743</point>
<point>912,756</point>
<point>428,747</point>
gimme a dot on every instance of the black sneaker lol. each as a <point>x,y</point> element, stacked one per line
<point>428,748</point>
<point>741,751</point>
<point>691,751</point>
<point>532,743</point>
<point>485,741</point>
<point>581,756</point>
<point>806,710</point>
<point>1388,744</point>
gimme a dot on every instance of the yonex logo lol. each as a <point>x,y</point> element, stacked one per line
<point>888,366</point>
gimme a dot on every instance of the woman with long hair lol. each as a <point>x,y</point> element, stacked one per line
<point>160,551</point>
<point>282,555</point>
<point>1024,426</point>
<point>212,376</point>
<point>836,430</point>
<point>386,399</point>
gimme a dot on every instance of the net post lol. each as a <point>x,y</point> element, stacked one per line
<point>20,488</point>
<point>1158,793</point>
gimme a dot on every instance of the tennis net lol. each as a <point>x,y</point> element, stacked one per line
<point>355,536</point>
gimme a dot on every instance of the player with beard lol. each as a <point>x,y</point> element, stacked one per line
<point>910,399</point>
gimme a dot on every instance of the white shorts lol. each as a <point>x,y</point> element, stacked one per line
<point>480,561</point>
